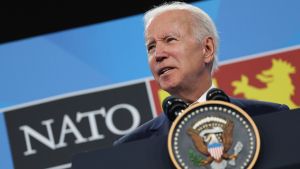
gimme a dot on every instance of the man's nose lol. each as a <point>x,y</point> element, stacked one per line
<point>160,53</point>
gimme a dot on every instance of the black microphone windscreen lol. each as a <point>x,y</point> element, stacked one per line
<point>217,94</point>
<point>172,106</point>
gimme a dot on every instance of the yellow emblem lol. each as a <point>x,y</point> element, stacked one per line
<point>279,87</point>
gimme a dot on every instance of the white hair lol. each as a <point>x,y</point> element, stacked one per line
<point>204,26</point>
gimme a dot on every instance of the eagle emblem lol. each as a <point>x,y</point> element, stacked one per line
<point>213,137</point>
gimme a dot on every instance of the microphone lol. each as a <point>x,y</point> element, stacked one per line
<point>173,106</point>
<point>217,94</point>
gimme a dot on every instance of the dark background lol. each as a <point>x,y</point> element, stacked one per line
<point>22,19</point>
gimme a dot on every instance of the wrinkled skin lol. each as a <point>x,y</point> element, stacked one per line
<point>180,63</point>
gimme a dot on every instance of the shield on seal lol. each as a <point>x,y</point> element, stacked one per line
<point>215,150</point>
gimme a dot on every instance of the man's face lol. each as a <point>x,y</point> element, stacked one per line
<point>175,56</point>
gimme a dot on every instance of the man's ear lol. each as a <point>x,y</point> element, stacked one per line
<point>209,49</point>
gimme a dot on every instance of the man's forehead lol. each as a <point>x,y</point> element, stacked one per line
<point>168,23</point>
<point>169,18</point>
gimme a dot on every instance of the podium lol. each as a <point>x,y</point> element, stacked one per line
<point>280,145</point>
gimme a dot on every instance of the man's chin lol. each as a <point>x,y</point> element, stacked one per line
<point>169,88</point>
<point>168,84</point>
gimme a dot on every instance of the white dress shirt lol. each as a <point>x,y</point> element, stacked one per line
<point>203,97</point>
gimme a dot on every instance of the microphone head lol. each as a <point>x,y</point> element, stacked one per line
<point>172,106</point>
<point>217,94</point>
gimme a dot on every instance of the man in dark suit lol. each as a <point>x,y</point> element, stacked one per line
<point>182,43</point>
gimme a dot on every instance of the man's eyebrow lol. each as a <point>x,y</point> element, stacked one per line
<point>149,41</point>
<point>162,37</point>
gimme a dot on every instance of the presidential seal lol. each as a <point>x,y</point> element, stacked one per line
<point>213,135</point>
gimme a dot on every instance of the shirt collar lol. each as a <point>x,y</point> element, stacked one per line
<point>203,97</point>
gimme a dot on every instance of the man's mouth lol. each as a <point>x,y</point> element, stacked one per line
<point>164,70</point>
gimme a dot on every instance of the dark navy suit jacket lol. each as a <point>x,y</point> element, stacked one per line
<point>161,124</point>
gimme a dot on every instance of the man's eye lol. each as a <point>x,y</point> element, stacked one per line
<point>150,47</point>
<point>169,39</point>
